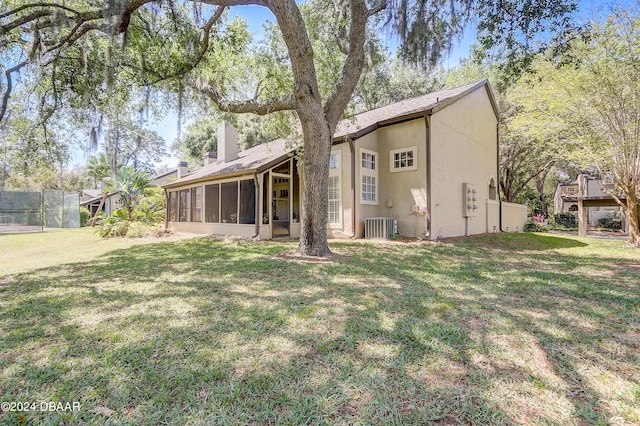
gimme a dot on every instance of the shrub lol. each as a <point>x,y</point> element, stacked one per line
<point>115,226</point>
<point>85,216</point>
<point>139,230</point>
<point>566,219</point>
<point>612,221</point>
<point>534,226</point>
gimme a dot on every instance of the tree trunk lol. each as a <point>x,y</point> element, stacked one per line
<point>317,148</point>
<point>633,216</point>
<point>540,181</point>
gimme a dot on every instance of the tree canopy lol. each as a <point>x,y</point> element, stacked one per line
<point>592,97</point>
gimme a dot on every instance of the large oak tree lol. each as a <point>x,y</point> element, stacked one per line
<point>181,43</point>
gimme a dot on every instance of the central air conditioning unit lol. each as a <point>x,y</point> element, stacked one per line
<point>380,228</point>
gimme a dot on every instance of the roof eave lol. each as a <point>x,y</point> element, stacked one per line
<point>213,177</point>
<point>482,83</point>
<point>427,111</point>
<point>208,178</point>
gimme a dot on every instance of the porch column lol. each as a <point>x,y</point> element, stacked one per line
<point>583,218</point>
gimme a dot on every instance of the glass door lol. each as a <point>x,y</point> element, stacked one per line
<point>280,205</point>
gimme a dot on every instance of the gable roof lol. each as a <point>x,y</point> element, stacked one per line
<point>92,193</point>
<point>366,122</point>
<point>252,160</point>
<point>98,198</point>
<point>264,156</point>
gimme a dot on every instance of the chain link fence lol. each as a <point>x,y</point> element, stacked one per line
<point>24,210</point>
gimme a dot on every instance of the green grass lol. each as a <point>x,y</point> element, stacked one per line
<point>501,329</point>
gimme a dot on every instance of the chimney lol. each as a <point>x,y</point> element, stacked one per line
<point>210,158</point>
<point>227,143</point>
<point>183,169</point>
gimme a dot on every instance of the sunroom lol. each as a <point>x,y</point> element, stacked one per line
<point>256,192</point>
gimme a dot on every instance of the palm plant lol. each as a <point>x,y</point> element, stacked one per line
<point>131,185</point>
<point>97,169</point>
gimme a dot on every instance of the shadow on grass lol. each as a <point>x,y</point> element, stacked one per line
<point>485,331</point>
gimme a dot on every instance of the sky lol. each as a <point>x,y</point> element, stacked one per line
<point>256,16</point>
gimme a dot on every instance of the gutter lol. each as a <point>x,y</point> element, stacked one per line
<point>498,174</point>
<point>179,184</point>
<point>429,177</point>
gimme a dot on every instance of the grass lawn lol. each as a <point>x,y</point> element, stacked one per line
<point>501,329</point>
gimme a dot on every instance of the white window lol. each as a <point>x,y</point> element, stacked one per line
<point>403,159</point>
<point>334,161</point>
<point>334,188</point>
<point>369,177</point>
<point>334,200</point>
<point>368,188</point>
<point>369,160</point>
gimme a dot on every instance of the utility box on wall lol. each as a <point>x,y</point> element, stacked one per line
<point>469,200</point>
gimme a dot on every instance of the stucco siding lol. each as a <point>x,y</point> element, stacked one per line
<point>464,150</point>
<point>404,189</point>
<point>514,217</point>
<point>245,231</point>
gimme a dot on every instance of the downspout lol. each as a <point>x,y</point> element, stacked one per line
<point>166,211</point>
<point>352,149</point>
<point>258,216</point>
<point>428,228</point>
<point>498,175</point>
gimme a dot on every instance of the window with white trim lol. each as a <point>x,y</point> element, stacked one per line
<point>334,160</point>
<point>368,188</point>
<point>403,159</point>
<point>334,188</point>
<point>368,177</point>
<point>369,159</point>
<point>334,200</point>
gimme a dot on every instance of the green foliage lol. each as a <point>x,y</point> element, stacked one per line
<point>535,226</point>
<point>612,222</point>
<point>528,195</point>
<point>130,184</point>
<point>149,211</point>
<point>85,215</point>
<point>142,207</point>
<point>140,229</point>
<point>565,219</point>
<point>97,169</point>
<point>116,225</point>
<point>593,95</point>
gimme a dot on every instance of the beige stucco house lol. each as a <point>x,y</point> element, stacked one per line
<point>423,167</point>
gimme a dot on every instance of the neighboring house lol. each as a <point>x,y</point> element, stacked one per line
<point>91,198</point>
<point>88,194</point>
<point>430,164</point>
<point>587,191</point>
<point>111,203</point>
<point>164,178</point>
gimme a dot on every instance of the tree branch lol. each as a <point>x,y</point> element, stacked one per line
<point>377,8</point>
<point>201,53</point>
<point>9,89</point>
<point>352,67</point>
<point>16,68</point>
<point>254,106</point>
<point>38,5</point>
